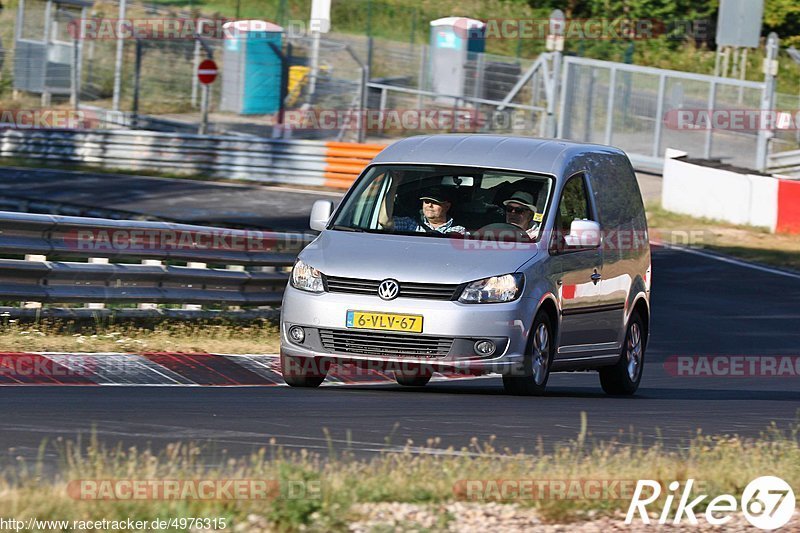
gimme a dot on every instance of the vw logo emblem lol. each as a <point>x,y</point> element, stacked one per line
<point>388,289</point>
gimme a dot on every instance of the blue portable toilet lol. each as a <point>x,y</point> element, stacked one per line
<point>251,69</point>
<point>454,41</point>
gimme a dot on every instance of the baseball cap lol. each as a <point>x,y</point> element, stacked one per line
<point>437,194</point>
<point>523,198</point>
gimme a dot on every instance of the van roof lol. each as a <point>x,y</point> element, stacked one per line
<point>552,156</point>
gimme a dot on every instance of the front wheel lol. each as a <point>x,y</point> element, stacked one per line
<point>303,371</point>
<point>623,378</point>
<point>536,368</point>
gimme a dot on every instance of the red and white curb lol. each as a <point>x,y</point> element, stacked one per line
<point>167,369</point>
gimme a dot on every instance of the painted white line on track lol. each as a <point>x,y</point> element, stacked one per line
<point>727,259</point>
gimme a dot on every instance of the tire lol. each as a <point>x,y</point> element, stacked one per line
<point>412,378</point>
<point>623,378</point>
<point>303,371</point>
<point>537,364</point>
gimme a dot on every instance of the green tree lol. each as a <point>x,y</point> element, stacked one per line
<point>783,17</point>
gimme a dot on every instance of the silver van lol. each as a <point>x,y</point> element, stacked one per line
<point>476,254</point>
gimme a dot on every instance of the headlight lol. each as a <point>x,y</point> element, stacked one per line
<point>306,278</point>
<point>493,290</point>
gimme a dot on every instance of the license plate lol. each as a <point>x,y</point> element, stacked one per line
<point>384,321</point>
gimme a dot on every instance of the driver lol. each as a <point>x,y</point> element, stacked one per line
<point>436,203</point>
<point>520,211</point>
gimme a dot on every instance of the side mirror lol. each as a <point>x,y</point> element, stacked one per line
<point>583,234</point>
<point>320,214</point>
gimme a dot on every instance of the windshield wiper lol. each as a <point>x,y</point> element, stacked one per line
<point>347,228</point>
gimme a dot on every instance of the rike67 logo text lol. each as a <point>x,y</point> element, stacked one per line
<point>767,502</point>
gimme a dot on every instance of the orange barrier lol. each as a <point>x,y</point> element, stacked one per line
<point>345,161</point>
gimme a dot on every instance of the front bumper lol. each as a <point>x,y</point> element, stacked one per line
<point>505,324</point>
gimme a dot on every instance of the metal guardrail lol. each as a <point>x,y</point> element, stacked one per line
<point>250,261</point>
<point>786,163</point>
<point>300,162</point>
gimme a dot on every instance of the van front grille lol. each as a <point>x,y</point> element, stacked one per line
<point>384,344</point>
<point>428,291</point>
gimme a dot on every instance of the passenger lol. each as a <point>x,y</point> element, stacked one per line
<point>436,204</point>
<point>520,211</point>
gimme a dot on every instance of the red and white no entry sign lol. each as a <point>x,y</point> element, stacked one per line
<point>207,71</point>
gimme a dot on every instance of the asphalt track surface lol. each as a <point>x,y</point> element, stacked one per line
<point>701,306</point>
<point>179,200</point>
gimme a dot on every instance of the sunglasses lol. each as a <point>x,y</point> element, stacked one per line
<point>517,210</point>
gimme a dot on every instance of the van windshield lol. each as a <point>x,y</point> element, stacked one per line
<point>446,201</point>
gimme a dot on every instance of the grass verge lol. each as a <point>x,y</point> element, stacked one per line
<point>329,493</point>
<point>745,242</point>
<point>214,336</point>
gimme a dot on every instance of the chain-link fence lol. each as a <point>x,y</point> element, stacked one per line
<point>646,110</point>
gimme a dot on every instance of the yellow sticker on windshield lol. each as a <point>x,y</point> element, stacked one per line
<point>537,217</point>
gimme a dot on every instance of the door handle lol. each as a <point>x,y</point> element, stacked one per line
<point>596,277</point>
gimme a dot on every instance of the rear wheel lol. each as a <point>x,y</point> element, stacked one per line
<point>303,371</point>
<point>624,377</point>
<point>413,377</point>
<point>536,368</point>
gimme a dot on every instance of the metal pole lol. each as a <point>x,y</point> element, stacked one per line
<point>370,44</point>
<point>726,56</point>
<point>382,107</point>
<point>312,82</point>
<point>362,134</point>
<point>20,20</point>
<point>204,110</point>
<point>662,86</point>
<point>137,72</point>
<point>612,84</point>
<point>362,101</point>
<point>742,73</point>
<point>48,10</point>
<point>89,73</point>
<point>712,96</point>
<point>74,98</point>
<point>767,97</point>
<point>118,61</point>
<point>195,81</point>
<point>552,124</point>
<point>589,110</point>
<point>285,60</point>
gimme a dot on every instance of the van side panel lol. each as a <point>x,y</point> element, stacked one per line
<point>625,241</point>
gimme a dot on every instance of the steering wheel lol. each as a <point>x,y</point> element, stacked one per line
<point>502,231</point>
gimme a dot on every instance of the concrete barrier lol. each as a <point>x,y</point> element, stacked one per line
<point>298,162</point>
<point>739,198</point>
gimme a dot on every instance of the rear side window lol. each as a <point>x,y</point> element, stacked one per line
<point>619,199</point>
<point>574,204</point>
